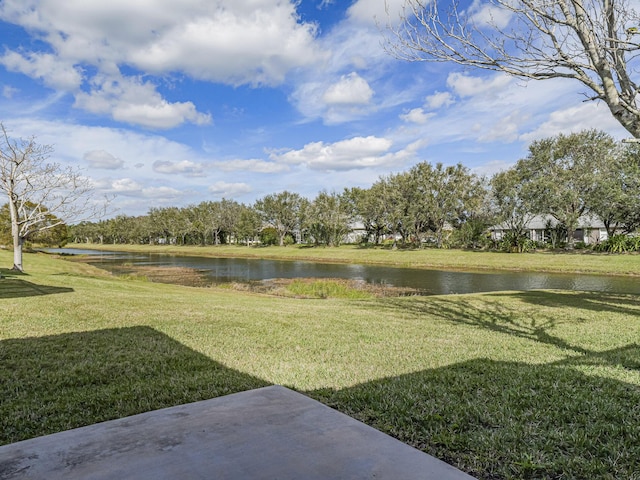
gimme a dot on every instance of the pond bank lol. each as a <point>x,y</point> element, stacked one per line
<point>281,287</point>
<point>461,260</point>
<point>321,279</point>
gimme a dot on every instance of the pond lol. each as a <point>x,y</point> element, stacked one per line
<point>425,282</point>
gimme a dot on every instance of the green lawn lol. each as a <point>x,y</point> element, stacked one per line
<point>504,385</point>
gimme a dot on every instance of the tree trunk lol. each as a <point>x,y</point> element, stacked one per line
<point>18,241</point>
<point>570,237</point>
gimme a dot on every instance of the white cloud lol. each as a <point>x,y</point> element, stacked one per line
<point>354,153</point>
<point>376,11</point>
<point>131,101</point>
<point>163,193</point>
<point>576,118</point>
<point>129,187</point>
<point>465,85</point>
<point>51,70</point>
<point>486,14</point>
<point>257,48</point>
<point>125,186</point>
<point>96,148</point>
<point>492,108</point>
<point>251,165</point>
<point>231,41</point>
<point>9,92</point>
<point>72,141</point>
<point>183,167</point>
<point>416,115</point>
<point>505,129</point>
<point>102,159</point>
<point>229,190</point>
<point>236,42</point>
<point>352,89</point>
<point>439,100</point>
<point>492,167</point>
<point>346,101</point>
<point>332,90</point>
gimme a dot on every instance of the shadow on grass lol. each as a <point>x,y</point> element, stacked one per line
<point>494,420</point>
<point>595,301</point>
<point>56,383</point>
<point>537,325</point>
<point>10,273</point>
<point>506,420</point>
<point>14,287</point>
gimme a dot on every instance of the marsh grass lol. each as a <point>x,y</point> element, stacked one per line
<point>312,288</point>
<point>507,385</point>
<point>319,288</point>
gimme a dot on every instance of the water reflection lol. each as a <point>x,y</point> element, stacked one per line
<point>434,282</point>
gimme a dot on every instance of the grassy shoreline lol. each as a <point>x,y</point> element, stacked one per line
<point>506,385</point>
<point>465,260</point>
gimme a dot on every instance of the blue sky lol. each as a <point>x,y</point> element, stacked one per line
<point>169,103</point>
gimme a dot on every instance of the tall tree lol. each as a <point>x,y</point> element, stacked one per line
<point>230,213</point>
<point>165,222</point>
<point>398,192</point>
<point>616,196</point>
<point>512,208</point>
<point>281,211</point>
<point>329,218</point>
<point>443,195</point>
<point>219,218</point>
<point>561,174</point>
<point>594,42</point>
<point>248,224</point>
<point>371,208</point>
<point>38,191</point>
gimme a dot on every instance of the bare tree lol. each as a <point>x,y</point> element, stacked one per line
<point>593,41</point>
<point>41,195</point>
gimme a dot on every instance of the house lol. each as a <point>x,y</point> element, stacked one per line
<point>356,233</point>
<point>591,229</point>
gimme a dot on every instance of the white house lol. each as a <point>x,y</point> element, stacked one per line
<point>590,229</point>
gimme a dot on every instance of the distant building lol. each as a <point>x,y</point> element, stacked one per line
<point>591,229</point>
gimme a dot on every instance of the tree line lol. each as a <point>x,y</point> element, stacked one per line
<point>566,177</point>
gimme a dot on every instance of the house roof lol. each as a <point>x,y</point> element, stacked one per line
<point>540,222</point>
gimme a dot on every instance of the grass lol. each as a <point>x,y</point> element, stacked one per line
<point>508,385</point>
<point>326,289</point>
<point>578,261</point>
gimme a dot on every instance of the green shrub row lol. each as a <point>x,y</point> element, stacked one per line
<point>619,244</point>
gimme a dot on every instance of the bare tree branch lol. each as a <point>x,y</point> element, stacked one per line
<point>595,42</point>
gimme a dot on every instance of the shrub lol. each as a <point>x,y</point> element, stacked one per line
<point>619,244</point>
<point>514,242</point>
<point>471,234</point>
<point>288,240</point>
<point>634,243</point>
<point>269,236</point>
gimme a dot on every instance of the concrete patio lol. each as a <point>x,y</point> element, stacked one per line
<point>268,433</point>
